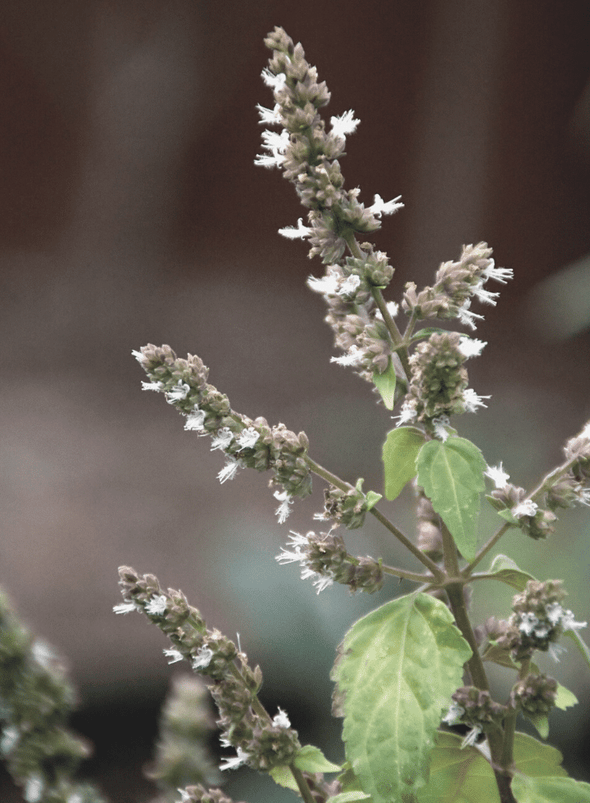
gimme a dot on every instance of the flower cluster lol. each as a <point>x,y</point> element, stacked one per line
<point>438,383</point>
<point>261,742</point>
<point>456,284</point>
<point>325,559</point>
<point>349,507</point>
<point>36,699</point>
<point>473,707</point>
<point>182,754</point>
<point>246,443</point>
<point>534,694</point>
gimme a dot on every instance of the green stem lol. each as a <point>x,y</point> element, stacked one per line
<point>485,549</point>
<point>302,784</point>
<point>404,575</point>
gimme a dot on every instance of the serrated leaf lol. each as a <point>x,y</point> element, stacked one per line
<point>400,450</point>
<point>580,644</point>
<point>385,384</point>
<point>506,570</point>
<point>283,776</point>
<point>462,775</point>
<point>451,474</point>
<point>549,790</point>
<point>311,759</point>
<point>565,698</point>
<point>397,670</point>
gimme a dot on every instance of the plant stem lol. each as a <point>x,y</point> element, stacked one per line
<point>302,784</point>
<point>485,549</point>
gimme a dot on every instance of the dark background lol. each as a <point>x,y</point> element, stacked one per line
<point>131,212</point>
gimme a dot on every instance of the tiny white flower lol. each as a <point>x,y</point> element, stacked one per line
<point>275,81</point>
<point>406,413</point>
<point>473,401</point>
<point>320,581</point>
<point>568,623</point>
<point>344,124</point>
<point>139,356</point>
<point>485,296</point>
<point>284,509</point>
<point>381,207</point>
<point>236,761</point>
<point>269,116</point>
<point>583,496</point>
<point>528,622</point>
<point>585,433</point>
<point>152,386</point>
<point>43,653</point>
<point>222,439</point>
<point>497,475</point>
<point>471,347</point>
<point>466,316</point>
<point>526,508</point>
<point>10,736</point>
<point>34,789</point>
<point>157,605</point>
<point>229,471</point>
<point>541,631</point>
<point>178,393</point>
<point>354,357</point>
<point>554,612</point>
<point>248,438</point>
<point>392,308</point>
<point>471,737</point>
<point>281,720</point>
<point>275,142</point>
<point>498,274</point>
<point>296,232</point>
<point>195,421</point>
<point>184,795</point>
<point>174,655</point>
<point>296,542</point>
<point>440,427</point>
<point>202,658</point>
<point>125,607</point>
<point>328,285</point>
<point>269,160</point>
<point>349,285</point>
<point>454,714</point>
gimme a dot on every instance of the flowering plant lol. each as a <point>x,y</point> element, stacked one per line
<point>411,671</point>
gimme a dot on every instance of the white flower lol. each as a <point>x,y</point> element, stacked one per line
<point>381,207</point>
<point>275,81</point>
<point>568,623</point>
<point>354,356</point>
<point>276,144</point>
<point>498,274</point>
<point>465,315</point>
<point>471,737</point>
<point>440,427</point>
<point>152,386</point>
<point>497,475</point>
<point>454,714</point>
<point>321,581</point>
<point>174,655</point>
<point>236,761</point>
<point>472,400</point>
<point>178,393</point>
<point>222,439</point>
<point>202,658</point>
<point>184,795</point>
<point>139,357</point>
<point>34,789</point>
<point>328,285</point>
<point>471,347</point>
<point>229,471</point>
<point>296,232</point>
<point>125,607</point>
<point>10,736</point>
<point>485,296</point>
<point>344,124</point>
<point>284,509</point>
<point>296,542</point>
<point>554,612</point>
<point>406,413</point>
<point>269,116</point>
<point>392,308</point>
<point>248,438</point>
<point>195,421</point>
<point>349,285</point>
<point>43,653</point>
<point>526,508</point>
<point>528,622</point>
<point>281,720</point>
<point>157,605</point>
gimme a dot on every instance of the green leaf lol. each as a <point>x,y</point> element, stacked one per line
<point>505,569</point>
<point>499,655</point>
<point>385,384</point>
<point>451,474</point>
<point>580,644</point>
<point>458,775</point>
<point>372,499</point>
<point>349,797</point>
<point>427,331</point>
<point>400,450</point>
<point>565,698</point>
<point>541,723</point>
<point>462,775</point>
<point>396,672</point>
<point>311,759</point>
<point>549,790</point>
<point>283,776</point>
<point>506,514</point>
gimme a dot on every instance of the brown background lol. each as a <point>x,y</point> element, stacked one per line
<point>131,212</point>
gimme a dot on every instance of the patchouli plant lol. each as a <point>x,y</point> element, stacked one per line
<point>413,669</point>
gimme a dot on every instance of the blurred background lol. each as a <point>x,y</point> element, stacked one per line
<point>131,212</point>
